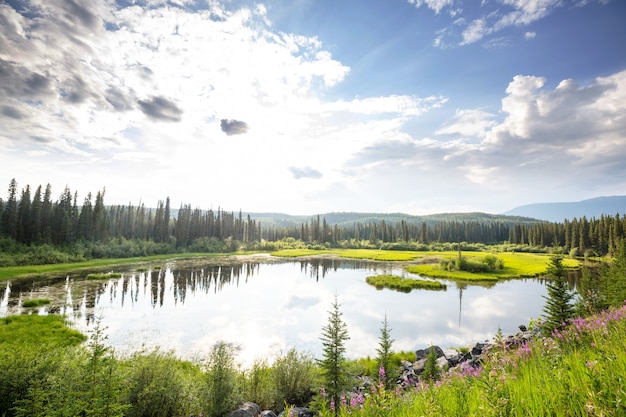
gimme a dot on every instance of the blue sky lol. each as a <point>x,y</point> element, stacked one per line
<point>305,107</point>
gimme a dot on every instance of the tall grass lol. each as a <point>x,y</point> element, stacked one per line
<point>580,371</point>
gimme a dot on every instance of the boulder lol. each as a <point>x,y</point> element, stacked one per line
<point>268,413</point>
<point>423,353</point>
<point>298,412</point>
<point>247,409</point>
<point>478,348</point>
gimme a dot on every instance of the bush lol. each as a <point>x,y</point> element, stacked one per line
<point>158,384</point>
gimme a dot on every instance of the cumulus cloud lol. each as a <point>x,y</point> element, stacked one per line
<point>468,123</point>
<point>160,108</point>
<point>572,132</point>
<point>575,129</point>
<point>304,172</point>
<point>233,127</point>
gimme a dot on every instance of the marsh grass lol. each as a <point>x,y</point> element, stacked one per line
<point>35,302</point>
<point>38,330</point>
<point>104,275</point>
<point>403,284</point>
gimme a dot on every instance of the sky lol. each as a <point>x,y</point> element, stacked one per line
<point>313,106</point>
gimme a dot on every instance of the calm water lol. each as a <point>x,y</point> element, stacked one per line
<point>266,307</point>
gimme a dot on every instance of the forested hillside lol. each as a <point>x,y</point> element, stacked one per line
<point>31,217</point>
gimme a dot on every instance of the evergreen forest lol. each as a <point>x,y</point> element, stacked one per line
<point>43,228</point>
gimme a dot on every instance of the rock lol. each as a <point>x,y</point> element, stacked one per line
<point>442,362</point>
<point>268,413</point>
<point>418,367</point>
<point>298,412</point>
<point>522,328</point>
<point>478,348</point>
<point>240,412</point>
<point>423,353</point>
<point>458,359</point>
<point>247,409</point>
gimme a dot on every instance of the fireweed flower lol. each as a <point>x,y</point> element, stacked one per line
<point>381,373</point>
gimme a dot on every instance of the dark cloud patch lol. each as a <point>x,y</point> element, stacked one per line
<point>305,172</point>
<point>80,14</point>
<point>116,98</point>
<point>20,83</point>
<point>159,108</point>
<point>76,91</point>
<point>233,127</point>
<point>11,112</point>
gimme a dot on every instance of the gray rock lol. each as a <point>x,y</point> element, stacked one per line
<point>268,413</point>
<point>423,353</point>
<point>247,409</point>
<point>298,412</point>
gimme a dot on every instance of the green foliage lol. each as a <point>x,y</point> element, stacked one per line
<point>385,352</point>
<point>103,394</point>
<point>221,394</point>
<point>431,371</point>
<point>332,364</point>
<point>294,374</point>
<point>558,309</point>
<point>104,275</point>
<point>80,382</point>
<point>615,277</point>
<point>38,330</point>
<point>259,386</point>
<point>35,302</point>
<point>159,385</point>
<point>579,372</point>
<point>403,284</point>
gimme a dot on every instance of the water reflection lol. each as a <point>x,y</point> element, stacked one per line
<point>268,307</point>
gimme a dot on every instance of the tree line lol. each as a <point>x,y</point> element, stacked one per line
<point>32,217</point>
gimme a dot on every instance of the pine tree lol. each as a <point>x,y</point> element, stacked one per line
<point>384,352</point>
<point>334,337</point>
<point>558,309</point>
<point>431,370</point>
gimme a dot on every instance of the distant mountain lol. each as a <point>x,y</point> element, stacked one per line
<point>350,218</point>
<point>557,212</point>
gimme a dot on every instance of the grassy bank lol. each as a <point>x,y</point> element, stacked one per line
<point>426,263</point>
<point>38,331</point>
<point>580,371</point>
<point>26,270</point>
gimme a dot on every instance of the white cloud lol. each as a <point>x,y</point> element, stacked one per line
<point>475,31</point>
<point>468,123</point>
<point>435,5</point>
<point>495,16</point>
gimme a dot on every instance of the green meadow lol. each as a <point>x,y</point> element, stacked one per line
<point>427,263</point>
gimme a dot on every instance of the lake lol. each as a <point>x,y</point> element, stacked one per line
<point>268,305</point>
